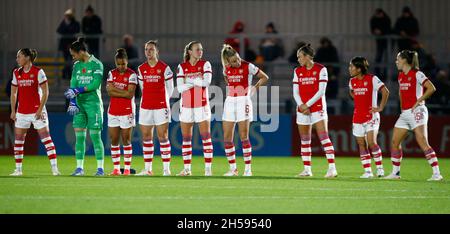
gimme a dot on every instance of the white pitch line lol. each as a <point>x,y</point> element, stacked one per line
<point>231,198</point>
<point>300,188</point>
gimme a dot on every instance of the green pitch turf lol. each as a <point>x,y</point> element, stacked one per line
<point>272,189</point>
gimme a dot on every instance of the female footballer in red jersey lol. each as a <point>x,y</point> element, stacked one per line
<point>193,78</point>
<point>364,88</point>
<point>238,108</point>
<point>310,82</point>
<point>415,88</point>
<point>29,87</point>
<point>121,85</point>
<point>156,82</point>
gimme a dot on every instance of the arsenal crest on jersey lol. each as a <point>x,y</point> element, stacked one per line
<point>241,71</point>
<point>314,73</point>
<point>365,83</point>
<point>32,76</point>
<point>158,71</point>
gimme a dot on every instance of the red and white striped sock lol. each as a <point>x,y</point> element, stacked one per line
<point>230,152</point>
<point>115,156</point>
<point>305,151</point>
<point>46,139</point>
<point>207,150</point>
<point>377,156</point>
<point>148,150</point>
<point>396,157</point>
<point>247,151</point>
<point>165,148</point>
<point>187,152</point>
<point>432,160</point>
<point>327,146</point>
<point>365,160</point>
<point>127,156</point>
<point>18,150</point>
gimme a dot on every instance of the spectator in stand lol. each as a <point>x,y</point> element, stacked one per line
<point>293,57</point>
<point>271,48</point>
<point>91,26</point>
<point>235,42</point>
<point>67,29</point>
<point>407,27</point>
<point>380,25</point>
<point>327,55</point>
<point>132,51</point>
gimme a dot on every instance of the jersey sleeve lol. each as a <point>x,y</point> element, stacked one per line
<point>168,74</point>
<point>73,80</point>
<point>377,83</point>
<point>323,75</point>
<point>14,79</point>
<point>133,79</point>
<point>252,69</point>
<point>207,68</point>
<point>110,77</point>
<point>140,79</point>
<point>295,78</point>
<point>42,78</point>
<point>421,78</point>
<point>180,72</point>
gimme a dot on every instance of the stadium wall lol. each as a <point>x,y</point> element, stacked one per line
<point>31,23</point>
<point>283,142</point>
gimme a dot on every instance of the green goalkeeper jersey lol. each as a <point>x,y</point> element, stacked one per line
<point>88,74</point>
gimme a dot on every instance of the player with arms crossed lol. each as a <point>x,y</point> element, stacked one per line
<point>193,78</point>
<point>121,85</point>
<point>364,88</point>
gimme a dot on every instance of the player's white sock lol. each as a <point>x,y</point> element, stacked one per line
<point>100,163</point>
<point>247,151</point>
<point>165,149</point>
<point>115,156</point>
<point>365,160</point>
<point>432,160</point>
<point>305,151</point>
<point>18,150</point>
<point>127,156</point>
<point>80,163</point>
<point>230,152</point>
<point>377,156</point>
<point>396,157</point>
<point>187,152</point>
<point>148,150</point>
<point>46,139</point>
<point>327,146</point>
<point>207,150</point>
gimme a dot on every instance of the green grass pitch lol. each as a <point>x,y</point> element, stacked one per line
<point>272,189</point>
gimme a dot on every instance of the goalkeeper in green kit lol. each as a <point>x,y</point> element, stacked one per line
<point>86,104</point>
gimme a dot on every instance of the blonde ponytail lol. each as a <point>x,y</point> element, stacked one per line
<point>227,52</point>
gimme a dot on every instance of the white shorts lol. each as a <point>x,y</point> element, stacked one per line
<point>312,118</point>
<point>122,121</point>
<point>154,117</point>
<point>410,120</point>
<point>361,130</point>
<point>25,120</point>
<point>197,114</point>
<point>237,109</point>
